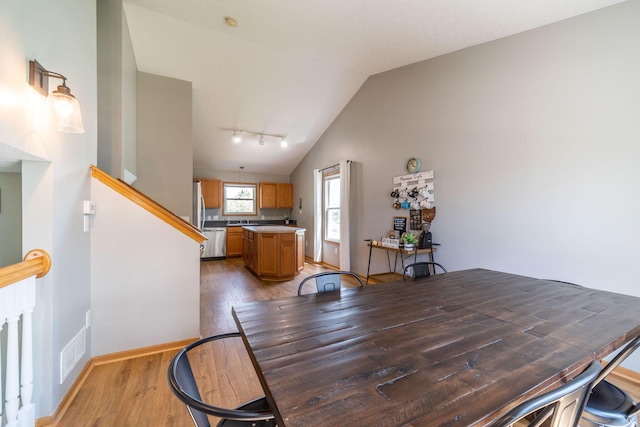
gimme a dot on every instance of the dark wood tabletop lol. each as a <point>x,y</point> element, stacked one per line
<point>455,349</point>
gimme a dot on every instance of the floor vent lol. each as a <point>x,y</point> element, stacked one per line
<point>71,354</point>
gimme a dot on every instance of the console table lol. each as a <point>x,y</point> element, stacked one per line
<point>399,252</point>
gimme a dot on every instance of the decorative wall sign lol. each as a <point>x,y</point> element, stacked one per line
<point>390,243</point>
<point>403,179</point>
<point>400,223</point>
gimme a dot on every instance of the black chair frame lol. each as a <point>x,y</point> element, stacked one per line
<point>607,401</point>
<point>421,269</point>
<point>323,287</point>
<point>183,385</point>
<point>562,406</point>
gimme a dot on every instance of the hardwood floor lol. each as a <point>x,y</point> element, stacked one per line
<point>135,392</point>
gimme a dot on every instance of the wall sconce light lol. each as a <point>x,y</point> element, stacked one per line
<point>237,137</point>
<point>63,109</point>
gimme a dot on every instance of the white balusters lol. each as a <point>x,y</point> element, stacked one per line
<point>27,414</point>
<point>12,390</point>
<point>16,305</point>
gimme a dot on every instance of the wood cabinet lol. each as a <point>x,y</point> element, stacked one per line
<point>284,196</point>
<point>234,242</point>
<point>247,248</point>
<point>300,248</point>
<point>276,195</point>
<point>274,255</point>
<point>212,192</point>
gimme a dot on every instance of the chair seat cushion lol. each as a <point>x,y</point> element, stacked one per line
<point>608,401</point>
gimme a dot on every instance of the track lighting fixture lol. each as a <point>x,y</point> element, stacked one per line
<point>63,109</point>
<point>237,137</point>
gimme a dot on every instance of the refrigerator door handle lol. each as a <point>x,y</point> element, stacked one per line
<point>202,211</point>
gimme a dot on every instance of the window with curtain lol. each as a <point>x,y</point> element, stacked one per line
<point>239,199</point>
<point>332,207</point>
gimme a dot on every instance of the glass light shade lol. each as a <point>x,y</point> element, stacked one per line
<point>63,111</point>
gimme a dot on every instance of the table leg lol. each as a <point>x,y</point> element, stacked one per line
<point>433,267</point>
<point>369,263</point>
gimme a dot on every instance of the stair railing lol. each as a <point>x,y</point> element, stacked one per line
<point>17,301</point>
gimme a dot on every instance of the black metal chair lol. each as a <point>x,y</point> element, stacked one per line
<point>560,407</point>
<point>609,405</point>
<point>420,270</point>
<point>255,413</point>
<point>328,281</point>
<point>564,283</point>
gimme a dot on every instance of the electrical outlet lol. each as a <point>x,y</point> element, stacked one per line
<point>335,250</point>
<point>87,319</point>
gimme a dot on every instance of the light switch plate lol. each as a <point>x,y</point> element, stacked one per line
<point>89,207</point>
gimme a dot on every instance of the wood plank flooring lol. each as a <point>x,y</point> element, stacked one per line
<point>135,392</point>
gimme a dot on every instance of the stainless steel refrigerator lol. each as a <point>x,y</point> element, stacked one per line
<point>197,209</point>
<point>215,246</point>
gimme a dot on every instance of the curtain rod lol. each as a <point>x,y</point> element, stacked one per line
<point>332,166</point>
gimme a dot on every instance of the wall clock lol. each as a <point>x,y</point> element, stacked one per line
<point>413,165</point>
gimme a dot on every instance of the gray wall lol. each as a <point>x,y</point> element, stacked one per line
<point>116,91</point>
<point>61,36</point>
<point>129,102</point>
<point>534,140</point>
<point>165,150</point>
<point>10,218</point>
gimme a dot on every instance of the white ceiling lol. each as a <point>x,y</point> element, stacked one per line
<point>291,66</point>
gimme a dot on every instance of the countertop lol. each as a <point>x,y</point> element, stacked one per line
<point>216,224</point>
<point>273,229</point>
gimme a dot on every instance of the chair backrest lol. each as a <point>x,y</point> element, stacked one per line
<point>183,384</point>
<point>560,407</point>
<point>328,281</point>
<point>421,269</point>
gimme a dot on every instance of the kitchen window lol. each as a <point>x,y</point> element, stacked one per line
<point>239,199</point>
<point>332,207</point>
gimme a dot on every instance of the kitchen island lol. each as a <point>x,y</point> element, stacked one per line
<point>273,252</point>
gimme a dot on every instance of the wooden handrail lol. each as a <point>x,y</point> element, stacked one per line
<point>148,204</point>
<point>36,262</point>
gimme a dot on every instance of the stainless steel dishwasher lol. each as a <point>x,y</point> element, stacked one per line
<point>215,247</point>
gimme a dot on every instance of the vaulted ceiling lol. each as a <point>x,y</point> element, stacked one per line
<point>290,66</point>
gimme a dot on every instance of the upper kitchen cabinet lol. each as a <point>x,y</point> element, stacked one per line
<point>276,195</point>
<point>212,193</point>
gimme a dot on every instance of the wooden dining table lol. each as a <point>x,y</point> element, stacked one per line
<point>454,349</point>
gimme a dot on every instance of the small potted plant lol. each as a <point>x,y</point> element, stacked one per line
<point>286,219</point>
<point>409,240</point>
